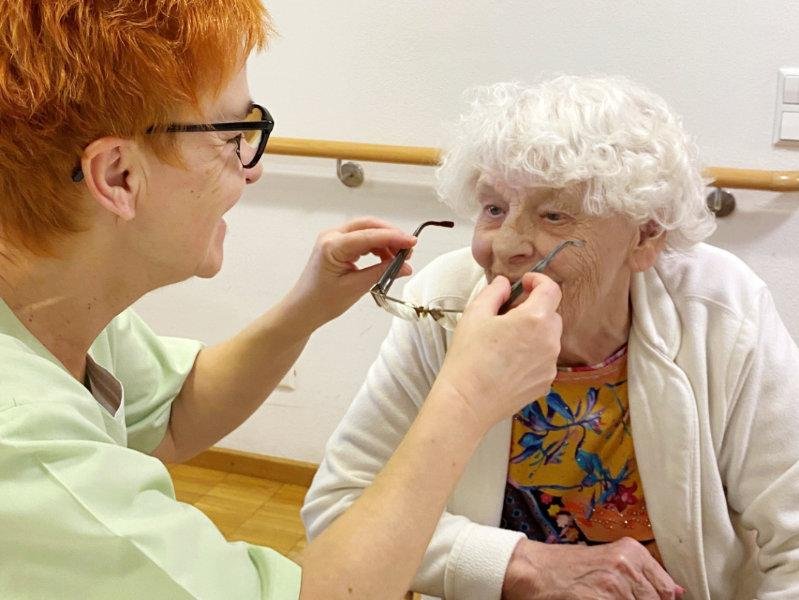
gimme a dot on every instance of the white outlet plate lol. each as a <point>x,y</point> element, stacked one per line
<point>787,113</point>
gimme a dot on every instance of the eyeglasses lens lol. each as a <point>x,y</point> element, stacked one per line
<point>253,138</point>
<point>446,319</point>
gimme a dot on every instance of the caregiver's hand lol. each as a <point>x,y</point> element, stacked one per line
<point>621,570</point>
<point>498,364</point>
<point>331,282</point>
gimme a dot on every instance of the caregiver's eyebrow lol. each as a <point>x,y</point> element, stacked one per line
<point>246,111</point>
<point>239,115</point>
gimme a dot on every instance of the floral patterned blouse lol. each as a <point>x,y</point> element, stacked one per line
<point>572,475</point>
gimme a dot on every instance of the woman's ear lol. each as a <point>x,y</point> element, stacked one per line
<point>651,242</point>
<point>106,170</point>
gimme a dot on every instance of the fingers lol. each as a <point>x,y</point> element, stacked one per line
<point>384,254</point>
<point>404,271</point>
<point>387,254</point>
<point>364,223</point>
<point>368,276</point>
<point>492,297</point>
<point>661,581</point>
<point>544,293</point>
<point>349,247</point>
<point>642,589</point>
<point>380,268</point>
<point>648,579</point>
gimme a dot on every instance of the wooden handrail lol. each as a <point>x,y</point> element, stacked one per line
<point>723,177</point>
<point>751,179</point>
<point>406,155</point>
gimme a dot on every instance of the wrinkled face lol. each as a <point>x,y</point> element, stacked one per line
<point>517,228</point>
<point>182,209</point>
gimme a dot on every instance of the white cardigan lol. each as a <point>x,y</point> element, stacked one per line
<point>713,384</point>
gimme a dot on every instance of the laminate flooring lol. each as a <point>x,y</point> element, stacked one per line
<point>250,509</point>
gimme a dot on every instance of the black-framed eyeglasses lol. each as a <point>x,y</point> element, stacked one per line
<point>255,131</point>
<point>443,311</point>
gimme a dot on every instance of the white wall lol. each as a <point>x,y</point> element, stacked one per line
<point>393,72</point>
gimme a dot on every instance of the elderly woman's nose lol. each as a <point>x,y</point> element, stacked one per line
<point>514,241</point>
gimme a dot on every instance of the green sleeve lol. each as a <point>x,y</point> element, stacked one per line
<point>84,518</point>
<point>152,370</point>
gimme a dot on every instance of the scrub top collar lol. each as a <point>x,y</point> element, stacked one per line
<point>106,389</point>
<point>12,326</point>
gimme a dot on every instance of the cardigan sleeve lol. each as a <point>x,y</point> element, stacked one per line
<point>464,560</point>
<point>760,452</point>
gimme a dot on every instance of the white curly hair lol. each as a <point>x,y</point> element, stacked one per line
<point>620,139</point>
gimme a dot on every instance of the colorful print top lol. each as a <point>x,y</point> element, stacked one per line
<point>572,475</point>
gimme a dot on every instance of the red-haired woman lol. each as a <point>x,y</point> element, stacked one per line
<point>126,132</point>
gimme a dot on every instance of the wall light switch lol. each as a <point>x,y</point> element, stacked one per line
<point>791,92</point>
<point>786,117</point>
<point>790,127</point>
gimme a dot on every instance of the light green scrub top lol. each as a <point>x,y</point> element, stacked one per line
<point>84,512</point>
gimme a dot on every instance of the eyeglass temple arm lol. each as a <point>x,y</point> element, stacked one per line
<point>517,287</point>
<point>384,283</point>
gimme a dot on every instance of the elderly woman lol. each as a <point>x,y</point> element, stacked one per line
<point>669,436</point>
<point>126,132</point>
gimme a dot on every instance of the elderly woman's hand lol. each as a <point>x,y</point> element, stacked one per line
<point>331,281</point>
<point>621,570</point>
<point>498,364</point>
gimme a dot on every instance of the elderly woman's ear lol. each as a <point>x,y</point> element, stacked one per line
<point>650,243</point>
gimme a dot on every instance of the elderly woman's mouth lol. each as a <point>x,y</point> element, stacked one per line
<point>516,289</point>
<point>513,278</point>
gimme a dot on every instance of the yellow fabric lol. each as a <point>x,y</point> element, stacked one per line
<point>572,476</point>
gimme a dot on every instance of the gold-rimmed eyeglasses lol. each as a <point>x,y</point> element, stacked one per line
<point>445,316</point>
<point>446,311</point>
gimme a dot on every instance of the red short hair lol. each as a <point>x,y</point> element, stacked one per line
<point>72,71</point>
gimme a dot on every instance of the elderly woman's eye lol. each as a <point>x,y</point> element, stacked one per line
<point>554,217</point>
<point>493,210</point>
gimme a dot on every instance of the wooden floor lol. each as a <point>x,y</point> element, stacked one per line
<point>245,508</point>
<point>249,509</point>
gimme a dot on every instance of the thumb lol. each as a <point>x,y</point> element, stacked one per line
<point>365,278</point>
<point>543,292</point>
<point>492,297</point>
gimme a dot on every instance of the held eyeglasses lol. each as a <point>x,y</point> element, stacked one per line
<point>446,311</point>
